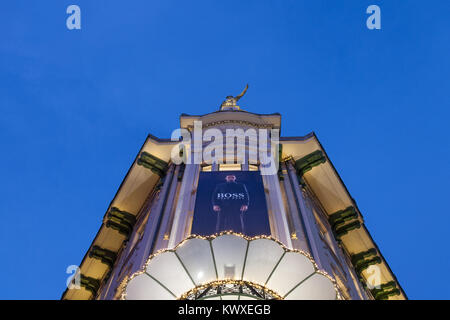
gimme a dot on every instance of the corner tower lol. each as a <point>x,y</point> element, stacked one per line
<point>200,218</point>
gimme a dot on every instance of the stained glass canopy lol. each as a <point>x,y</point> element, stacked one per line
<point>230,266</point>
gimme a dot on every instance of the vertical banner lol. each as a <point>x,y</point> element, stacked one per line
<point>230,200</point>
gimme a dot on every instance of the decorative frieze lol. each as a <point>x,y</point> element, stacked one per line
<point>238,122</point>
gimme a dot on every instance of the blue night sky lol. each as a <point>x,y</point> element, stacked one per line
<point>77,105</point>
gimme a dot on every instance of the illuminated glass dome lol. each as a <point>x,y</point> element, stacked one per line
<point>230,266</point>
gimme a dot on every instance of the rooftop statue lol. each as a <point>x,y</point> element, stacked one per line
<point>230,101</point>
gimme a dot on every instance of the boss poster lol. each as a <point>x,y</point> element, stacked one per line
<point>230,200</point>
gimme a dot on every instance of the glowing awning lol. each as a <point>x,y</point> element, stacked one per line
<point>230,266</point>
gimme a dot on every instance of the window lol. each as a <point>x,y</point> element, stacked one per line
<point>229,167</point>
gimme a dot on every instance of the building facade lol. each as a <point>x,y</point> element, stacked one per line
<point>185,226</point>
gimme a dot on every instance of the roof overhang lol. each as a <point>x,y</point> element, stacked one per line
<point>130,197</point>
<point>334,196</point>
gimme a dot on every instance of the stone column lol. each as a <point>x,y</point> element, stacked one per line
<point>307,217</point>
<point>161,242</point>
<point>299,229</point>
<point>276,208</point>
<point>186,196</point>
<point>154,218</point>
